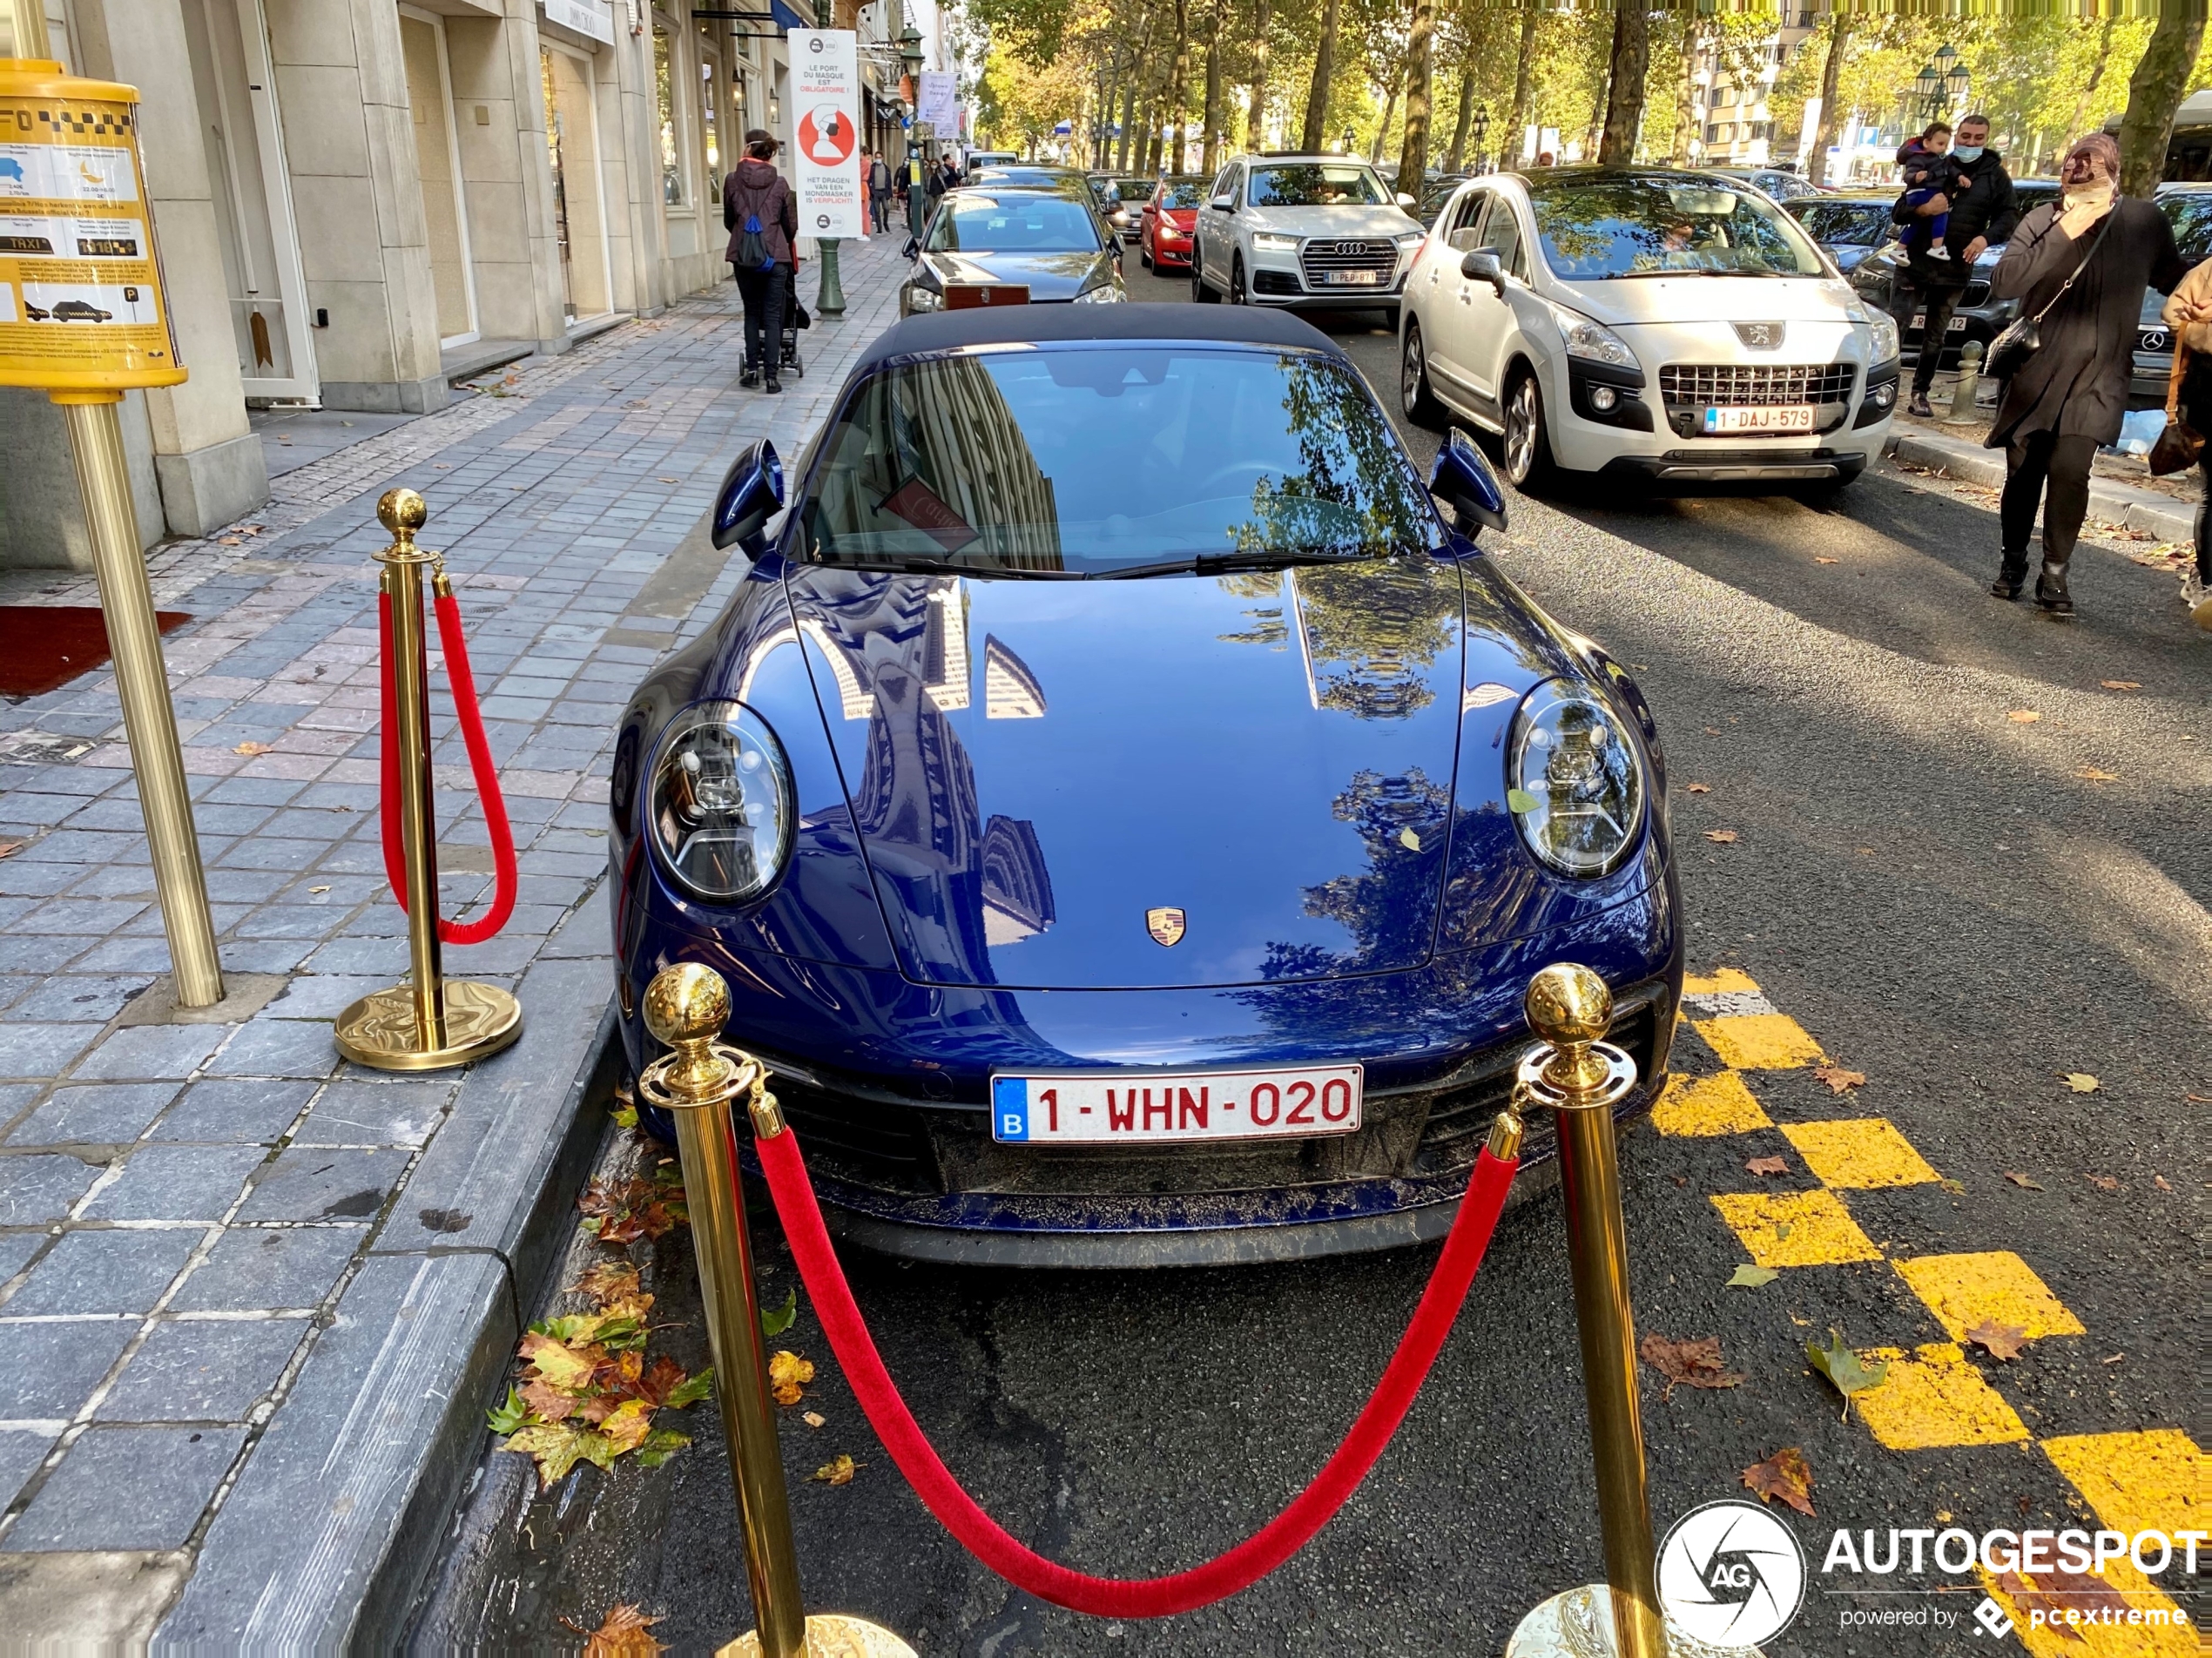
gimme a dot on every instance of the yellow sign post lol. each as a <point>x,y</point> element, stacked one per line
<point>83,319</point>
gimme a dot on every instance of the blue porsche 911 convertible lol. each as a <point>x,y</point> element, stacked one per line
<point>1127,809</point>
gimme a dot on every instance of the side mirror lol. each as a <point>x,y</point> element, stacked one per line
<point>1408,202</point>
<point>751,493</point>
<point>912,249</point>
<point>1481,265</point>
<point>1463,478</point>
<point>1222,204</point>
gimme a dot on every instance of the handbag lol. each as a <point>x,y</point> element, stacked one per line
<point>2023,337</point>
<point>2179,444</point>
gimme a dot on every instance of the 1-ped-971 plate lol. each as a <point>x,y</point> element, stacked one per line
<point>1109,1108</point>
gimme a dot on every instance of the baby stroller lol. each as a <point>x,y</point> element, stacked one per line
<point>795,318</point>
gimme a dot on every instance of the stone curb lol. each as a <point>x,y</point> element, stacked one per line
<point>2109,502</point>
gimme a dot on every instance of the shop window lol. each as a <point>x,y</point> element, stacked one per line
<point>672,192</point>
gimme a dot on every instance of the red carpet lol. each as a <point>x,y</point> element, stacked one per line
<point>44,646</point>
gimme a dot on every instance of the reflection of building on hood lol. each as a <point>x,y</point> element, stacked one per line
<point>1017,889</point>
<point>956,425</point>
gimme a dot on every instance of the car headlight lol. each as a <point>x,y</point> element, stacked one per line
<point>1883,346</point>
<point>1410,238</point>
<point>720,815</point>
<point>1593,340</point>
<point>922,299</point>
<point>1574,779</point>
<point>1104,294</point>
<point>1267,241</point>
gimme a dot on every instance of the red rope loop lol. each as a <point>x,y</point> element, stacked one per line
<point>506,874</point>
<point>1225,1575</point>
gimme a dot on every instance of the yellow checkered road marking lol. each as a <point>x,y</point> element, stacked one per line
<point>1938,1395</point>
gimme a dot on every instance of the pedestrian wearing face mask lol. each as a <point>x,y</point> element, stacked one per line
<point>1974,211</point>
<point>2080,264</point>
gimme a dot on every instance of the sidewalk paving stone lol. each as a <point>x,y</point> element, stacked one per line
<point>247,1201</point>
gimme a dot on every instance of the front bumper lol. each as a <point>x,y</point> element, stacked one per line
<point>1741,466</point>
<point>887,1085</point>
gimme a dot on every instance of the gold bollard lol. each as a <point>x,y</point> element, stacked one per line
<point>686,1007</point>
<point>431,1022</point>
<point>1582,1079</point>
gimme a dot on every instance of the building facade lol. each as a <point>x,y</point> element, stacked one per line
<point>357,202</point>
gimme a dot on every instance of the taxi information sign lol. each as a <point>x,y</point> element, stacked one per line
<point>81,307</point>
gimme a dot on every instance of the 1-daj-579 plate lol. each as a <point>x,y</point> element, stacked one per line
<point>1107,1108</point>
<point>1788,417</point>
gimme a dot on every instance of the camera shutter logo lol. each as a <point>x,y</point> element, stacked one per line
<point>1731,1574</point>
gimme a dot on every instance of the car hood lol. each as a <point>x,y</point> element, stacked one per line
<point>1629,300</point>
<point>1035,766</point>
<point>1331,221</point>
<point>1050,276</point>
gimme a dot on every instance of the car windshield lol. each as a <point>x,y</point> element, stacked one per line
<point>1847,224</point>
<point>1315,184</point>
<point>2191,217</point>
<point>1007,223</point>
<point>1017,461</point>
<point>1187,192</point>
<point>1665,225</point>
<point>1134,191</point>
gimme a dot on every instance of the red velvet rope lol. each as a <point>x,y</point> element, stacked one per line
<point>506,875</point>
<point>1218,1579</point>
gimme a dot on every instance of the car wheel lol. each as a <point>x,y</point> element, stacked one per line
<point>1144,256</point>
<point>1528,445</point>
<point>1237,295</point>
<point>1199,291</point>
<point>1413,393</point>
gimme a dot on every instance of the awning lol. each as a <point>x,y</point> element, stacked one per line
<point>786,19</point>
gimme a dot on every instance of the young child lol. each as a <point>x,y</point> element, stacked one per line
<point>1929,171</point>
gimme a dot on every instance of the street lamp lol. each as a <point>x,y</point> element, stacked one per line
<point>1347,140</point>
<point>917,197</point>
<point>1481,132</point>
<point>1941,83</point>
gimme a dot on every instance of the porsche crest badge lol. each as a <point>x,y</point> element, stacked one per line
<point>1165,924</point>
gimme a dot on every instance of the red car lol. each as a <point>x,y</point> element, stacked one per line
<point>1170,218</point>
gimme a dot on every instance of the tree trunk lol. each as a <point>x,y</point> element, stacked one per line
<point>1456,160</point>
<point>1688,125</point>
<point>1128,120</point>
<point>1420,70</point>
<point>1390,109</point>
<point>1624,103</point>
<point>1256,118</point>
<point>1831,75</point>
<point>1317,98</point>
<point>2089,90</point>
<point>1517,118</point>
<point>1595,135</point>
<point>2154,93</point>
<point>1214,135</point>
<point>1179,92</point>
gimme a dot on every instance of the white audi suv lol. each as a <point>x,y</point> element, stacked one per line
<point>1311,231</point>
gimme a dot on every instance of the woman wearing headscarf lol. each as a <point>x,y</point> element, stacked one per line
<point>2068,399</point>
<point>2190,315</point>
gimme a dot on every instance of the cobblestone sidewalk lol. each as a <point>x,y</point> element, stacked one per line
<point>250,1296</point>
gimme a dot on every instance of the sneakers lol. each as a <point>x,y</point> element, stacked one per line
<point>1918,404</point>
<point>772,387</point>
<point>2198,598</point>
<point>750,378</point>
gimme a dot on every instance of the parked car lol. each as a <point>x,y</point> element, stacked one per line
<point>1978,317</point>
<point>1781,185</point>
<point>1029,177</point>
<point>1051,242</point>
<point>981,158</point>
<point>1048,971</point>
<point>1848,226</point>
<point>2188,207</point>
<point>1643,323</point>
<point>1170,220</point>
<point>81,311</point>
<point>1304,231</point>
<point>1436,192</point>
<point>1130,196</point>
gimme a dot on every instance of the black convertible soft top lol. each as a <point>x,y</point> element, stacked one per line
<point>1049,324</point>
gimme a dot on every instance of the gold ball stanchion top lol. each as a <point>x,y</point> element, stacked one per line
<point>1571,1008</point>
<point>687,1003</point>
<point>686,1007</point>
<point>403,512</point>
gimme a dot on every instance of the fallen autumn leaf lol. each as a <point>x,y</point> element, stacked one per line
<point>624,1633</point>
<point>1699,788</point>
<point>838,1470</point>
<point>1748,1277</point>
<point>1838,1078</point>
<point>2121,685</point>
<point>814,1419</point>
<point>2082,1081</point>
<point>1767,1166</point>
<point>250,750</point>
<point>1721,836</point>
<point>2091,774</point>
<point>787,1373</point>
<point>1786,1474</point>
<point>1999,1341</point>
<point>1843,1368</point>
<point>1695,1361</point>
<point>2023,716</point>
<point>2029,1182</point>
<point>2103,1182</point>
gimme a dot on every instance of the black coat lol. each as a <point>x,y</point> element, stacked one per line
<point>2076,386</point>
<point>1987,208</point>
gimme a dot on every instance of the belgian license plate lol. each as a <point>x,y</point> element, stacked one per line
<point>1111,1108</point>
<point>1955,326</point>
<point>1352,279</point>
<point>1795,417</point>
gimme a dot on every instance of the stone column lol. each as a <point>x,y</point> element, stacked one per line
<point>499,104</point>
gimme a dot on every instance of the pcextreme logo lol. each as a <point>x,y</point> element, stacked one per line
<point>1730,1574</point>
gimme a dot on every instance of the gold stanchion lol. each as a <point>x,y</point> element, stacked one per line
<point>1582,1078</point>
<point>686,1007</point>
<point>431,1022</point>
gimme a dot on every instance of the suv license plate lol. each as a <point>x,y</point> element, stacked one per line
<point>1352,279</point>
<point>1795,417</point>
<point>1110,1108</point>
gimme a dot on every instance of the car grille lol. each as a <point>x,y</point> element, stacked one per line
<point>1459,1118</point>
<point>1976,293</point>
<point>871,1142</point>
<point>1322,255</point>
<point>2153,339</point>
<point>1756,386</point>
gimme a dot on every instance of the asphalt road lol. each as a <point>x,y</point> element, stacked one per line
<point>1930,886</point>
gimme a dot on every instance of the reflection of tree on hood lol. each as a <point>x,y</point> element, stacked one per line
<point>1372,628</point>
<point>1352,494</point>
<point>1390,910</point>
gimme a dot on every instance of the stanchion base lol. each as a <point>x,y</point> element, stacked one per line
<point>1578,1624</point>
<point>831,1635</point>
<point>379,1030</point>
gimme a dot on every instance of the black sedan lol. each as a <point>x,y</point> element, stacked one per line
<point>1978,317</point>
<point>2188,207</point>
<point>986,246</point>
<point>1849,226</point>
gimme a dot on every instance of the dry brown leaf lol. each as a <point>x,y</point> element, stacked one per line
<point>2159,1181</point>
<point>252,749</point>
<point>10,848</point>
<point>838,1470</point>
<point>787,1373</point>
<point>1818,560</point>
<point>1699,788</point>
<point>2103,1182</point>
<point>608,1281</point>
<point>1696,1361</point>
<point>2029,1182</point>
<point>2023,716</point>
<point>815,1419</point>
<point>2091,774</point>
<point>1999,1341</point>
<point>1838,1078</point>
<point>1786,1474</point>
<point>623,1635</point>
<point>2121,685</point>
<point>1721,836</point>
<point>2053,1591</point>
<point>2082,1081</point>
<point>1767,1166</point>
<point>547,1402</point>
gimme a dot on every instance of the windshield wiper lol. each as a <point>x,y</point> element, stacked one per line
<point>937,567</point>
<point>1688,269</point>
<point>1227,563</point>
